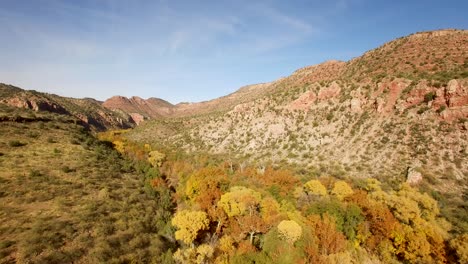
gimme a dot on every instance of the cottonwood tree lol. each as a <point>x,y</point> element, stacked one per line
<point>189,223</point>
<point>243,204</point>
<point>290,230</point>
<point>341,190</point>
<point>315,187</point>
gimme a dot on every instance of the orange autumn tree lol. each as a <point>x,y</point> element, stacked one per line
<point>282,180</point>
<point>205,186</point>
<point>329,239</point>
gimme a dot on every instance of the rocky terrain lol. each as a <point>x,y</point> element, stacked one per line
<point>400,108</point>
<point>88,112</point>
<point>308,168</point>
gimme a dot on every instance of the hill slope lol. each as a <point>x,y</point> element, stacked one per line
<point>374,116</point>
<point>88,112</point>
<point>68,198</point>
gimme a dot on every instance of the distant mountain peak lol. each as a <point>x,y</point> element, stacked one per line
<point>146,108</point>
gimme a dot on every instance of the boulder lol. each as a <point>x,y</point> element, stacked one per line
<point>413,176</point>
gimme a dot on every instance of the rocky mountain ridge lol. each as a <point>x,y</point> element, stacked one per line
<point>444,51</point>
<point>88,112</point>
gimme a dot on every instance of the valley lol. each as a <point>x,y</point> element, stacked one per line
<point>363,161</point>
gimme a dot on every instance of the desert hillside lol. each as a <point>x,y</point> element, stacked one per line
<point>398,108</point>
<point>88,112</point>
<point>363,161</point>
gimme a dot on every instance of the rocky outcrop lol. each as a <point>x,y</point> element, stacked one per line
<point>355,105</point>
<point>413,176</point>
<point>333,90</point>
<point>137,118</point>
<point>304,101</point>
<point>35,104</point>
<point>456,94</point>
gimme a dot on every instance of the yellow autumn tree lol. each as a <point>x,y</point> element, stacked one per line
<point>198,255</point>
<point>290,230</point>
<point>156,158</point>
<point>239,200</point>
<point>189,223</point>
<point>315,187</point>
<point>119,146</point>
<point>270,211</point>
<point>460,246</point>
<point>341,190</point>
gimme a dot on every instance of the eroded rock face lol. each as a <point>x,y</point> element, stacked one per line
<point>137,118</point>
<point>456,94</point>
<point>35,105</point>
<point>83,117</point>
<point>413,176</point>
<point>18,102</point>
<point>304,101</point>
<point>331,91</point>
<point>152,107</point>
<point>88,112</point>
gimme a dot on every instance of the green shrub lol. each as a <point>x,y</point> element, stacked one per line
<point>16,143</point>
<point>74,142</point>
<point>423,109</point>
<point>33,134</point>
<point>6,244</point>
<point>67,169</point>
<point>441,109</point>
<point>34,173</point>
<point>429,97</point>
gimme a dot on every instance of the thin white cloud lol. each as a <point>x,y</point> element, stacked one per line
<point>288,20</point>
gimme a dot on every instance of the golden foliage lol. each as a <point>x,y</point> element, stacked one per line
<point>341,190</point>
<point>239,201</point>
<point>315,187</point>
<point>226,244</point>
<point>199,255</point>
<point>290,230</point>
<point>156,158</point>
<point>460,246</point>
<point>270,210</point>
<point>188,224</point>
<point>204,187</point>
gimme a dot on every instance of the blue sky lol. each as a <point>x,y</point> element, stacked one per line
<point>194,50</point>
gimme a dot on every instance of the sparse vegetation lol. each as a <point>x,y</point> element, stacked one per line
<point>309,168</point>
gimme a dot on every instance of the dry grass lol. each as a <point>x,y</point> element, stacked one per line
<point>66,197</point>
